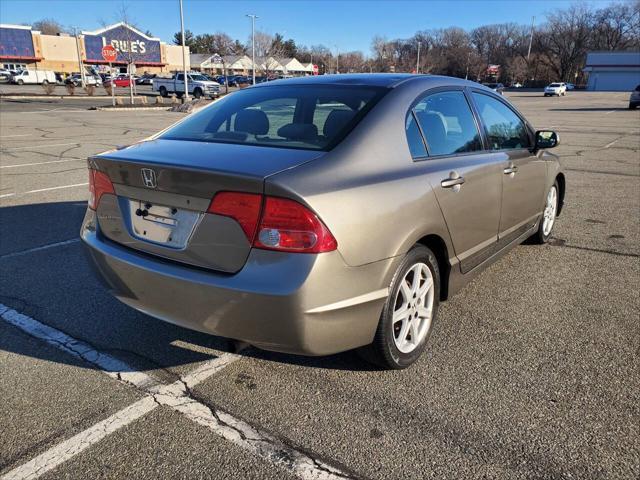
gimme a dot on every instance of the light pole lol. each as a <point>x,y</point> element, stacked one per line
<point>80,66</point>
<point>418,60</point>
<point>466,75</point>
<point>533,19</point>
<point>253,46</point>
<point>184,56</point>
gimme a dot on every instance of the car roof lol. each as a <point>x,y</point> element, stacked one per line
<point>388,80</point>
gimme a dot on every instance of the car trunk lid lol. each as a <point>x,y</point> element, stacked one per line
<point>164,188</point>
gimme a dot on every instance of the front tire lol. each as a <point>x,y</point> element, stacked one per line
<point>197,93</point>
<point>20,82</point>
<point>548,219</point>
<point>409,312</point>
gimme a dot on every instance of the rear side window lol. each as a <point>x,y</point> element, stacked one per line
<point>414,138</point>
<point>447,123</point>
<point>505,129</point>
<point>313,117</point>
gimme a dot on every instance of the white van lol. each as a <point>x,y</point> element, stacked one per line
<point>34,76</point>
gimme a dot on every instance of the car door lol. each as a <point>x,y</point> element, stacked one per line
<point>523,171</point>
<point>465,178</point>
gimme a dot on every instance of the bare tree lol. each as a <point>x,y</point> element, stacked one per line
<point>48,26</point>
<point>565,40</point>
<point>128,46</point>
<point>617,27</point>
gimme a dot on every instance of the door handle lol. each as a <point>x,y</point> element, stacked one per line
<point>510,170</point>
<point>454,181</point>
<point>451,182</point>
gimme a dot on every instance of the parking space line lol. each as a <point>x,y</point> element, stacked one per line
<point>70,448</point>
<point>43,189</point>
<point>42,247</point>
<point>13,136</point>
<point>178,395</point>
<point>110,365</point>
<point>44,163</point>
<point>34,146</point>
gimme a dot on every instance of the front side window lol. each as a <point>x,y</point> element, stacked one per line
<point>505,130</point>
<point>313,117</point>
<point>447,123</point>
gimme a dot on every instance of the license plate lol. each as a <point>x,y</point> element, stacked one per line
<point>164,225</point>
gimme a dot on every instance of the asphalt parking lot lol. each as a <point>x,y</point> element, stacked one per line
<point>532,370</point>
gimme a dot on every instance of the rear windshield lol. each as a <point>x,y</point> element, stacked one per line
<point>554,85</point>
<point>313,117</point>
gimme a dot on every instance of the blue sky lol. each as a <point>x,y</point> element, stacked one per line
<point>347,25</point>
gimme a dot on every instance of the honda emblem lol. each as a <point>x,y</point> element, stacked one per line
<point>149,178</point>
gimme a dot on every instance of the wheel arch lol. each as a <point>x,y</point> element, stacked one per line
<point>438,246</point>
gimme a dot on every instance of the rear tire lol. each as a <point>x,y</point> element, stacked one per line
<point>45,82</point>
<point>548,219</point>
<point>408,314</point>
<point>163,92</point>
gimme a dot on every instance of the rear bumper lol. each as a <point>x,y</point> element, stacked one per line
<point>294,303</point>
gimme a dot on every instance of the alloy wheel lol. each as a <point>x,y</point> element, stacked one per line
<point>550,210</point>
<point>413,308</point>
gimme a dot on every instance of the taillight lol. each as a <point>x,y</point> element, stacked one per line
<point>243,207</point>
<point>288,226</point>
<point>283,225</point>
<point>99,184</point>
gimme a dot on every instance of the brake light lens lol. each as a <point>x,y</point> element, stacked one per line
<point>99,184</point>
<point>274,223</point>
<point>242,207</point>
<point>288,226</point>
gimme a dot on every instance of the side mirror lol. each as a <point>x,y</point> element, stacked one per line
<point>547,139</point>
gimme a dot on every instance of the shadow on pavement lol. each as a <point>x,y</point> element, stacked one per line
<point>589,109</point>
<point>56,286</point>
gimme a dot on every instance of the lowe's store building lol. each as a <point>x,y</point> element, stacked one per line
<point>24,48</point>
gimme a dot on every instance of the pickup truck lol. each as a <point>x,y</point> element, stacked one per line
<point>199,85</point>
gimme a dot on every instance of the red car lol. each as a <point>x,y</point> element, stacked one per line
<point>120,81</point>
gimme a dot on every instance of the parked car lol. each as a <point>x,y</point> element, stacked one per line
<point>320,214</point>
<point>634,99</point>
<point>121,80</point>
<point>89,79</point>
<point>146,79</point>
<point>557,88</point>
<point>496,87</point>
<point>516,85</point>
<point>570,86</point>
<point>198,85</point>
<point>33,76</point>
<point>5,75</point>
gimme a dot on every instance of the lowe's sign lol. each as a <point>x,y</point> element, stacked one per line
<point>131,44</point>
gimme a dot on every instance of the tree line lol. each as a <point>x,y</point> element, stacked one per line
<point>553,50</point>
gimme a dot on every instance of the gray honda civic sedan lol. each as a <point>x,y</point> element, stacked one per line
<point>321,214</point>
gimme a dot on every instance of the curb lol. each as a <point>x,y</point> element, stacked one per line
<point>129,109</point>
<point>64,97</point>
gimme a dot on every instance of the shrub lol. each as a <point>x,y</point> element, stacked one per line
<point>48,88</point>
<point>90,89</point>
<point>71,88</point>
